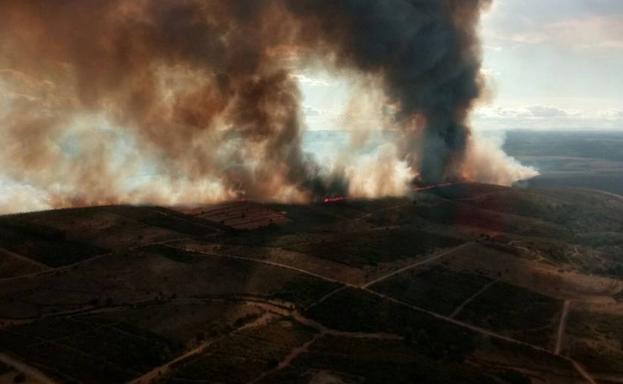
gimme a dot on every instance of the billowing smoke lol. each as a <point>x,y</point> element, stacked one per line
<point>189,101</point>
<point>428,55</point>
<point>194,85</point>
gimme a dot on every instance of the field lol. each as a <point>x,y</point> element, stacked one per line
<point>91,351</point>
<point>334,359</point>
<point>596,340</point>
<point>371,247</point>
<point>12,265</point>
<point>125,341</point>
<point>515,311</point>
<point>458,283</point>
<point>156,274</point>
<point>437,289</point>
<point>183,322</point>
<point>245,355</point>
<point>45,246</point>
<point>370,313</point>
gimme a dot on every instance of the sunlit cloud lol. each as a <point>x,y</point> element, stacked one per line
<point>553,65</point>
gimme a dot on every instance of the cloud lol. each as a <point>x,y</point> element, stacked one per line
<point>547,112</point>
<point>588,32</point>
<point>546,117</point>
<point>564,23</point>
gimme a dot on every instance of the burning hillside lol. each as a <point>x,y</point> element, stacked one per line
<point>195,101</point>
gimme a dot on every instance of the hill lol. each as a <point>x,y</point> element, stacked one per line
<point>464,283</point>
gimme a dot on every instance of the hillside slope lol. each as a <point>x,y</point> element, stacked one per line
<point>461,283</point>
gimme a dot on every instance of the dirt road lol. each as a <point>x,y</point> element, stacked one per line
<point>416,264</point>
<point>562,323</point>
<point>27,369</point>
<point>472,297</point>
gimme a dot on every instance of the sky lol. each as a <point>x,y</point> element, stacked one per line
<point>549,64</point>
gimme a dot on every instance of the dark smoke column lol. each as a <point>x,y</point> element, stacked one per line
<point>428,55</point>
<point>202,93</point>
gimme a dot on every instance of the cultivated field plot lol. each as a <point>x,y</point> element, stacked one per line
<point>12,265</point>
<point>221,275</point>
<point>333,359</point>
<point>323,267</point>
<point>463,215</point>
<point>44,245</point>
<point>369,313</point>
<point>359,249</point>
<point>312,222</point>
<point>88,351</point>
<point>434,288</point>
<point>439,340</point>
<point>516,363</point>
<point>239,215</point>
<point>588,211</point>
<point>182,321</point>
<point>345,216</point>
<point>515,312</point>
<point>171,220</point>
<point>154,274</point>
<point>245,355</point>
<point>506,261</point>
<point>595,339</point>
<point>506,200</point>
<point>119,227</point>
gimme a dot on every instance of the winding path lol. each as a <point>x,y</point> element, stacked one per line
<point>562,323</point>
<point>27,369</point>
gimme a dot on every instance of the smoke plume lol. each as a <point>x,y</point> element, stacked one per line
<point>189,101</point>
